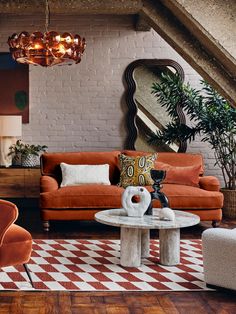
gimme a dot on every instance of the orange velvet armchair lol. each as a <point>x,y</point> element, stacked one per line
<point>15,242</point>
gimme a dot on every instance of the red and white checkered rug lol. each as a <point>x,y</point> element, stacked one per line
<point>93,265</point>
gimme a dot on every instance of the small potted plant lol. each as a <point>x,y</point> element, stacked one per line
<point>212,117</point>
<point>15,152</point>
<point>26,155</point>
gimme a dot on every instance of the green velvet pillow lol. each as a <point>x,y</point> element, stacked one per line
<point>135,171</point>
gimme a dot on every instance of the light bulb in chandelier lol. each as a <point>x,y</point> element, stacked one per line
<point>46,49</point>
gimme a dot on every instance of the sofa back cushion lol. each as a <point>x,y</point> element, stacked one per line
<point>188,175</point>
<point>173,159</point>
<point>50,162</point>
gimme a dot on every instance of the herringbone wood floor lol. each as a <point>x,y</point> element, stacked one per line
<point>109,302</point>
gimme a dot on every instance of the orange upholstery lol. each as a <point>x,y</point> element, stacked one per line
<point>189,197</point>
<point>50,162</point>
<point>83,196</point>
<point>173,159</point>
<point>15,242</point>
<point>16,248</point>
<point>83,201</point>
<point>69,214</point>
<point>48,184</point>
<point>209,183</point>
<point>101,196</point>
<point>9,214</point>
<point>207,214</point>
<point>88,214</point>
<point>188,175</point>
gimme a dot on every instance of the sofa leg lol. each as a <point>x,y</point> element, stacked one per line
<point>46,225</point>
<point>215,223</point>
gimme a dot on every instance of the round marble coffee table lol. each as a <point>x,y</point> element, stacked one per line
<point>135,234</point>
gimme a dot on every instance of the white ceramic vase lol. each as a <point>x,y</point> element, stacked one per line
<point>135,209</point>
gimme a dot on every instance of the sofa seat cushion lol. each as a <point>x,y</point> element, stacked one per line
<point>189,197</point>
<point>83,196</point>
<point>100,196</point>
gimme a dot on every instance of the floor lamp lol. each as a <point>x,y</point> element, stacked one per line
<point>10,128</point>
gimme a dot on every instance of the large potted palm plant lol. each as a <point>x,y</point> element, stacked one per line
<point>211,117</point>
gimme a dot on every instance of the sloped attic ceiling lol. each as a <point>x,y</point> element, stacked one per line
<point>203,34</point>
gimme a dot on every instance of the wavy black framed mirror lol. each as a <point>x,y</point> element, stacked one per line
<point>145,114</point>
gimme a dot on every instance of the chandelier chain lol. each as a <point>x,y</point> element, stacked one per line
<point>47,14</point>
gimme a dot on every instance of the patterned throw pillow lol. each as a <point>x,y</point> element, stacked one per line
<point>135,171</point>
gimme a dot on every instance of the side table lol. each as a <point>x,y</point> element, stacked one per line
<point>19,182</point>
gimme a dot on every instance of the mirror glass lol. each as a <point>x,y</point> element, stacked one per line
<point>147,113</point>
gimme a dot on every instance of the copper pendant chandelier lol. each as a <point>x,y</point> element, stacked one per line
<point>46,49</point>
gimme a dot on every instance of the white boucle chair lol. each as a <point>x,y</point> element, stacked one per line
<point>219,257</point>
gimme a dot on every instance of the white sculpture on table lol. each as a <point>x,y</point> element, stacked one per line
<point>167,213</point>
<point>135,209</point>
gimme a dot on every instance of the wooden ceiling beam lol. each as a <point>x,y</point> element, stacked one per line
<point>24,7</point>
<point>189,46</point>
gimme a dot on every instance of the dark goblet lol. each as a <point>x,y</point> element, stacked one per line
<point>158,176</point>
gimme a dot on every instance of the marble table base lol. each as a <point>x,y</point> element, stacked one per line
<point>135,245</point>
<point>169,246</point>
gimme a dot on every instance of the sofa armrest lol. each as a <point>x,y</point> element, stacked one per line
<point>48,184</point>
<point>209,183</point>
<point>9,214</point>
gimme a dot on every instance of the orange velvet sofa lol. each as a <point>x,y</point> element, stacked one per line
<point>83,201</point>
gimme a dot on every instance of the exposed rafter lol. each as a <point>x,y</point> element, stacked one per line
<point>187,44</point>
<point>211,34</point>
<point>141,24</point>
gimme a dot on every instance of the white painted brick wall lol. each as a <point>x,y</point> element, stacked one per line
<point>82,107</point>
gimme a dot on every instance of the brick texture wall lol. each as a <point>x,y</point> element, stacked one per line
<point>82,107</point>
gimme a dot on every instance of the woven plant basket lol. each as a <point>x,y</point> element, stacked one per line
<point>30,160</point>
<point>229,207</point>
